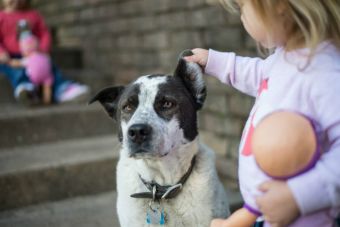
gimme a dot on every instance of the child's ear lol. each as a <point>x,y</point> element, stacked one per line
<point>192,76</point>
<point>108,98</point>
<point>281,7</point>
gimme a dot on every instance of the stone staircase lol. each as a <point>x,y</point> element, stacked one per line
<point>57,163</point>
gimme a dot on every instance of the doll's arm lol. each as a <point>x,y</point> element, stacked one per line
<point>47,94</point>
<point>240,218</point>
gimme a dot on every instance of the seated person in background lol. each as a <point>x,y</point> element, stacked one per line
<point>25,90</point>
<point>38,65</point>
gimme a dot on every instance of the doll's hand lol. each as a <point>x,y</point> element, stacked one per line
<point>277,203</point>
<point>200,57</point>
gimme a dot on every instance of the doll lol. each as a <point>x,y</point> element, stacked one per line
<point>284,145</point>
<point>37,64</point>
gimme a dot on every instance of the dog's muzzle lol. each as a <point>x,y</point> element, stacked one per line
<point>139,137</point>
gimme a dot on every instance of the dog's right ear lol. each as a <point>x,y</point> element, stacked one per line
<point>109,97</point>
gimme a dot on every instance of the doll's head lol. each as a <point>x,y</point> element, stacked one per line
<point>284,144</point>
<point>28,44</point>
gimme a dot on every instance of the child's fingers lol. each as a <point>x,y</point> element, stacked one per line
<point>192,58</point>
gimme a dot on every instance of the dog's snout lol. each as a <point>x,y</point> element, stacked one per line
<point>139,133</point>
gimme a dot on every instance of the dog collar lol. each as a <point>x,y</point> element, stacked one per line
<point>158,192</point>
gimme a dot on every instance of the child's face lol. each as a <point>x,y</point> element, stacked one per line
<point>254,26</point>
<point>13,4</point>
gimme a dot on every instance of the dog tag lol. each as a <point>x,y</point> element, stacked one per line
<point>155,216</point>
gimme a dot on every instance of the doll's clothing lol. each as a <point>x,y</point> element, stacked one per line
<point>38,68</point>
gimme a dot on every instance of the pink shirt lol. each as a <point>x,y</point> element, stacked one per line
<point>286,81</point>
<point>8,30</point>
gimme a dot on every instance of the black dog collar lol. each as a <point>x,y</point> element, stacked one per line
<point>158,192</point>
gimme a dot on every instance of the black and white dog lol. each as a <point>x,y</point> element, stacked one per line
<point>165,176</point>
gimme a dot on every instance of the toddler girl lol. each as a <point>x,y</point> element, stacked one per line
<point>24,91</point>
<point>303,76</point>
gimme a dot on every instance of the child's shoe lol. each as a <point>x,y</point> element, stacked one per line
<point>26,95</point>
<point>75,93</point>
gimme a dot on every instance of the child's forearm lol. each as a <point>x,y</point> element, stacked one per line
<point>16,63</point>
<point>240,218</point>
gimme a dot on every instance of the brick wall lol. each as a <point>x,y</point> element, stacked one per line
<point>126,38</point>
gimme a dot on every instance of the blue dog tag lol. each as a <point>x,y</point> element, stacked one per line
<point>155,216</point>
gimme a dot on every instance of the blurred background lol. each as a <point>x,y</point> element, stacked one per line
<point>57,163</point>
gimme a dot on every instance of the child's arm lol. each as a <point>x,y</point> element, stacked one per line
<point>324,178</point>
<point>243,73</point>
<point>43,35</point>
<point>16,63</point>
<point>4,57</point>
<point>240,218</point>
<point>319,188</point>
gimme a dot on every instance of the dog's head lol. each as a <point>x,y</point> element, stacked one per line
<point>157,114</point>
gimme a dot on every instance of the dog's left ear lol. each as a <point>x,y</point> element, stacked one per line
<point>192,77</point>
<point>109,97</point>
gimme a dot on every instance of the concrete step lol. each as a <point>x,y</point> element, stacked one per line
<point>55,171</point>
<point>6,91</point>
<point>22,126</point>
<point>87,211</point>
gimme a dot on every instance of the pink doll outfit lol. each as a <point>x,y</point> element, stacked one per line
<point>38,68</point>
<point>38,65</point>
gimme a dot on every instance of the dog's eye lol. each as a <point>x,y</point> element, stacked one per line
<point>167,104</point>
<point>127,108</point>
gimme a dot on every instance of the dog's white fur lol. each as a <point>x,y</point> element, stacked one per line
<point>202,197</point>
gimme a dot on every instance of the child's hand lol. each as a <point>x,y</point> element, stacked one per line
<point>4,57</point>
<point>15,63</point>
<point>277,204</point>
<point>200,57</point>
<point>217,223</point>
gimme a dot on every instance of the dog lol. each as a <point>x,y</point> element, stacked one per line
<point>165,176</point>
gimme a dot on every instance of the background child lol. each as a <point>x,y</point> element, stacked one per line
<point>302,75</point>
<point>37,64</point>
<point>24,90</point>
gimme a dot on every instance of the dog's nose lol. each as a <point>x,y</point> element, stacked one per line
<point>138,133</point>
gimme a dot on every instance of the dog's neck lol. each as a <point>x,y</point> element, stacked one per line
<point>168,170</point>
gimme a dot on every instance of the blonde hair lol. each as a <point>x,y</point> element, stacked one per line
<point>307,23</point>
